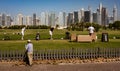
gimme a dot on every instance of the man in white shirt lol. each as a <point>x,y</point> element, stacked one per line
<point>22,32</point>
<point>51,32</point>
<point>91,30</point>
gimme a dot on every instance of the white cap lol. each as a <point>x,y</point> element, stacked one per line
<point>28,40</point>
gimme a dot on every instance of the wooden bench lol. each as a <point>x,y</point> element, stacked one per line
<point>73,37</point>
<point>84,38</point>
<point>94,37</point>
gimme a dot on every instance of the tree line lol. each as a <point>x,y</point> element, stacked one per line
<point>83,26</point>
<point>75,26</point>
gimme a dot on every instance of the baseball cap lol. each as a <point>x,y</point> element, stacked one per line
<point>29,40</point>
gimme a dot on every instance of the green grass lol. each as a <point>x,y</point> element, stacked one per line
<point>44,33</point>
<point>56,44</point>
<point>15,42</point>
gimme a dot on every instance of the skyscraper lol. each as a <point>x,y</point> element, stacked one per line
<point>3,19</point>
<point>100,14</point>
<point>13,21</point>
<point>94,17</point>
<point>75,17</point>
<point>87,16</point>
<point>0,20</point>
<point>98,22</point>
<point>43,18</point>
<point>47,18</point>
<point>34,19</point>
<point>38,21</point>
<point>91,19</point>
<point>28,20</point>
<point>70,19</point>
<point>52,19</point>
<point>8,20</point>
<point>110,19</point>
<point>19,19</point>
<point>61,19</point>
<point>82,15</point>
<point>66,19</point>
<point>115,13</point>
<point>79,16</point>
<point>104,16</point>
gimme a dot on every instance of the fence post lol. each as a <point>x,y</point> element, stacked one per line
<point>119,52</point>
<point>73,52</point>
<point>98,52</point>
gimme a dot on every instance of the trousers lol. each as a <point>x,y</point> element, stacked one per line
<point>30,57</point>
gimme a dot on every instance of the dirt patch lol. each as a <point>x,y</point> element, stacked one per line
<point>65,61</point>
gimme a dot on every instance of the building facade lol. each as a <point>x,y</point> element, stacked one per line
<point>75,17</point>
<point>8,20</point>
<point>87,16</point>
<point>115,13</point>
<point>70,19</point>
<point>94,17</point>
<point>52,19</point>
<point>104,17</point>
<point>34,19</point>
<point>29,20</point>
<point>62,19</point>
<point>19,19</point>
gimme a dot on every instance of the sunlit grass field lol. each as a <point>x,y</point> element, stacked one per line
<point>15,42</point>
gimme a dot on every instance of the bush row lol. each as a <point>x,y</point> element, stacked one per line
<point>27,27</point>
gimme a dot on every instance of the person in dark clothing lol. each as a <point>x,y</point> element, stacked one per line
<point>37,36</point>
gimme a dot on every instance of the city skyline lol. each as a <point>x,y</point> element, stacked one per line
<point>28,7</point>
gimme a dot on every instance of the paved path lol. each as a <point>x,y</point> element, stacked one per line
<point>113,66</point>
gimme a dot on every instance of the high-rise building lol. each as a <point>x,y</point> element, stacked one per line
<point>47,19</point>
<point>38,21</point>
<point>75,17</point>
<point>82,15</point>
<point>94,17</point>
<point>12,20</point>
<point>66,18</point>
<point>79,16</point>
<point>52,19</point>
<point>15,20</point>
<point>100,14</point>
<point>8,20</point>
<point>70,19</point>
<point>87,16</point>
<point>28,20</point>
<point>43,18</point>
<point>91,19</point>
<point>3,19</point>
<point>98,21</point>
<point>19,19</point>
<point>110,19</point>
<point>115,13</point>
<point>0,20</point>
<point>104,16</point>
<point>61,19</point>
<point>34,19</point>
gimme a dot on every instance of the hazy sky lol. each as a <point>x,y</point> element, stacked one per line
<point>28,7</point>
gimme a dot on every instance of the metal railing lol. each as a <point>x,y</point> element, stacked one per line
<point>58,54</point>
